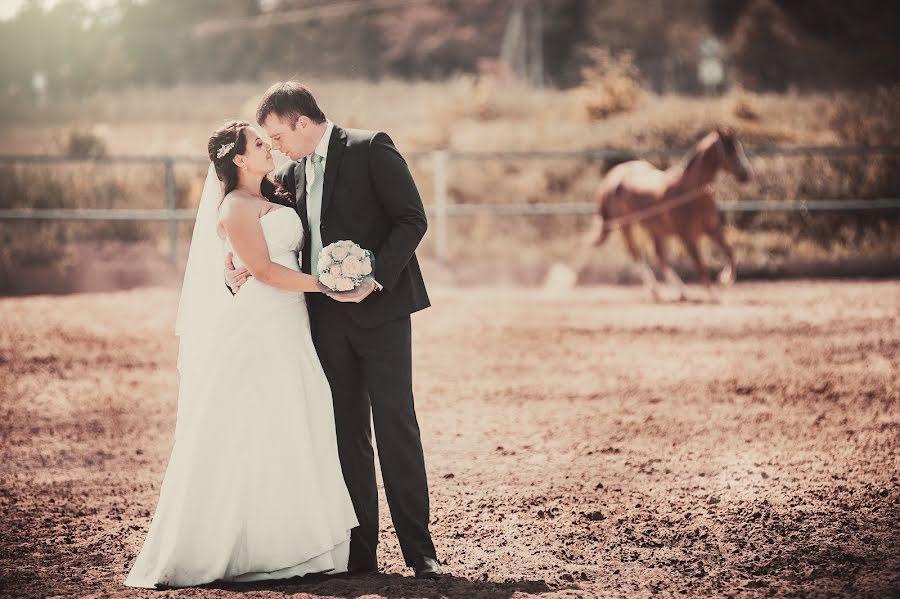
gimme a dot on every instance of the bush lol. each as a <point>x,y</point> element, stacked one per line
<point>611,84</point>
<point>84,144</point>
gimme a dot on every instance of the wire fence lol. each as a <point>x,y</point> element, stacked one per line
<point>438,206</point>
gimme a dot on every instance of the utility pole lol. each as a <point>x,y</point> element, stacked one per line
<point>513,43</point>
<point>522,46</point>
<point>536,70</point>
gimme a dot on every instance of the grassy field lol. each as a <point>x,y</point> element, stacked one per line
<point>470,114</point>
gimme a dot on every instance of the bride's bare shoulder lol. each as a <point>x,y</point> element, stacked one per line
<point>238,205</point>
<point>236,212</point>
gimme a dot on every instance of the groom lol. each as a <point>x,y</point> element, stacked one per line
<point>354,184</point>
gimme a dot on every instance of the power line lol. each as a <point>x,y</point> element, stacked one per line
<point>300,15</point>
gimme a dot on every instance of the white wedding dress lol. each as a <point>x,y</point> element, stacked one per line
<point>253,489</point>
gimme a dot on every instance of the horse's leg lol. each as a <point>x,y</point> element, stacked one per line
<point>644,269</point>
<point>669,275</point>
<point>690,244</point>
<point>728,274</point>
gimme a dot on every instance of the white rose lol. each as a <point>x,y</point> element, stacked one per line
<point>346,244</point>
<point>366,265</point>
<point>357,251</point>
<point>343,284</point>
<point>336,271</point>
<point>326,251</point>
<point>339,252</point>
<point>324,263</point>
<point>327,280</point>
<point>351,267</point>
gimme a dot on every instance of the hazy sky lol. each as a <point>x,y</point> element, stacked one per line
<point>8,8</point>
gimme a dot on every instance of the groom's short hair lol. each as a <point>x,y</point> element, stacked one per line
<point>289,99</point>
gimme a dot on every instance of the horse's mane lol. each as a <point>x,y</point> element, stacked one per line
<point>696,153</point>
<point>693,158</point>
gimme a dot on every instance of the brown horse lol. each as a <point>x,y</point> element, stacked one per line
<point>678,201</point>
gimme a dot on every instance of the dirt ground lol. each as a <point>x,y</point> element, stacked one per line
<point>588,443</point>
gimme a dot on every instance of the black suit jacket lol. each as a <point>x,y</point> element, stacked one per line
<point>370,198</point>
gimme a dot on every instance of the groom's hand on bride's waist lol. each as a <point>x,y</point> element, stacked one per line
<point>235,277</point>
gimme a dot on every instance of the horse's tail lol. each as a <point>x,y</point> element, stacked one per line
<point>602,228</point>
<point>603,224</point>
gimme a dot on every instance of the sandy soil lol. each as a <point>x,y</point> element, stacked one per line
<point>584,444</point>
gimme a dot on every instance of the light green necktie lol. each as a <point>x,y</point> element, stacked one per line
<point>314,211</point>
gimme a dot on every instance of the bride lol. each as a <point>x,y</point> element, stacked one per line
<point>253,489</point>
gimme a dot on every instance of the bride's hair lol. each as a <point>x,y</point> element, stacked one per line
<point>229,141</point>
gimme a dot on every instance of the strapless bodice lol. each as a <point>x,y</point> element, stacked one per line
<point>283,232</point>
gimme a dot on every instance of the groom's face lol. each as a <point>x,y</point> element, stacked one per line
<point>296,141</point>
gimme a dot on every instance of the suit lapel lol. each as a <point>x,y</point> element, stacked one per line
<point>336,146</point>
<point>300,190</point>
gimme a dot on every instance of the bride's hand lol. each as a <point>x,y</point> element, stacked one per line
<point>366,287</point>
<point>323,288</point>
<point>235,277</point>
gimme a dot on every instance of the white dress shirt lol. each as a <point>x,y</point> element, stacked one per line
<point>314,205</point>
<point>321,150</point>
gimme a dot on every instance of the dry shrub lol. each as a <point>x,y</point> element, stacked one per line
<point>745,107</point>
<point>611,84</point>
<point>490,98</point>
<point>868,118</point>
<point>80,185</point>
<point>84,143</point>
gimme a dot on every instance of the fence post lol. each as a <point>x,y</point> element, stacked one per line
<point>439,159</point>
<point>170,204</point>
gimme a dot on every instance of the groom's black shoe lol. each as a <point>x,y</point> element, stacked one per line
<point>427,567</point>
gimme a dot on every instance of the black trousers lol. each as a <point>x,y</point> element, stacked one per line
<point>370,372</point>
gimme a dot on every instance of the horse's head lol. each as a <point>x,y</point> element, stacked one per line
<point>733,158</point>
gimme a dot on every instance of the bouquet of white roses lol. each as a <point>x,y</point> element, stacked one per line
<point>343,265</point>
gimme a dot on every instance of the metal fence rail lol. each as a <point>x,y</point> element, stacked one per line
<point>171,214</point>
<point>742,206</point>
<point>439,208</point>
<point>617,154</point>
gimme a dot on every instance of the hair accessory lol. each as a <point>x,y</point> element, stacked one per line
<point>224,149</point>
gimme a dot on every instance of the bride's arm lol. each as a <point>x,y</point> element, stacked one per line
<point>241,223</point>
